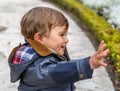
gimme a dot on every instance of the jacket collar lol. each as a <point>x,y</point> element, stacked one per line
<point>39,48</point>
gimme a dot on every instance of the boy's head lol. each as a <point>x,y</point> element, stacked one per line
<point>47,26</point>
<point>42,20</point>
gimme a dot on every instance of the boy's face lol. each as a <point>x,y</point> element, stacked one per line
<point>56,40</point>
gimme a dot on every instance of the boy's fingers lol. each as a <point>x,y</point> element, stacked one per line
<point>103,54</point>
<point>103,63</point>
<point>101,47</point>
<point>102,42</point>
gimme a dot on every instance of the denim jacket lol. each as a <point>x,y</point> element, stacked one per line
<point>38,69</point>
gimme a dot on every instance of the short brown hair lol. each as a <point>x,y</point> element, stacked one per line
<point>41,19</point>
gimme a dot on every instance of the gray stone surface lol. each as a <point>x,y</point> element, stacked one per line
<point>79,45</point>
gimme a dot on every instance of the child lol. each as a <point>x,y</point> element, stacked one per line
<point>42,62</point>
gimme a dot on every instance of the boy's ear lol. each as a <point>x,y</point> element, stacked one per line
<point>38,37</point>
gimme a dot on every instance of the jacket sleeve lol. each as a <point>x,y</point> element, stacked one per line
<point>72,71</point>
<point>62,72</point>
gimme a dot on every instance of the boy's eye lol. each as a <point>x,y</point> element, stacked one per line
<point>62,34</point>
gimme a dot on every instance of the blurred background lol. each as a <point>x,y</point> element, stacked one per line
<point>84,35</point>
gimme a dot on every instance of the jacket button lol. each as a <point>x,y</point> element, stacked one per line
<point>81,76</point>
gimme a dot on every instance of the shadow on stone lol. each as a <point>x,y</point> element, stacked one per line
<point>2,28</point>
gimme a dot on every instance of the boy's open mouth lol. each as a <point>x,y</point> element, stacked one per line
<point>63,46</point>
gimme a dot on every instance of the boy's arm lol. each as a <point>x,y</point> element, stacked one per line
<point>72,71</point>
<point>64,72</point>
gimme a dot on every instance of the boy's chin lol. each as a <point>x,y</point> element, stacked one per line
<point>61,54</point>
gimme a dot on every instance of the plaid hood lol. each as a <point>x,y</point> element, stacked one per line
<point>23,54</point>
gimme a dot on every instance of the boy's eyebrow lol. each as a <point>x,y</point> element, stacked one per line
<point>64,31</point>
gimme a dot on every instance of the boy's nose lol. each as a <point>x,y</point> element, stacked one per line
<point>66,40</point>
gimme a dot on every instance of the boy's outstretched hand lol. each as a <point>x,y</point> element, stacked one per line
<point>97,59</point>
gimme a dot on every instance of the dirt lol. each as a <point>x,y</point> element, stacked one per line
<point>115,77</point>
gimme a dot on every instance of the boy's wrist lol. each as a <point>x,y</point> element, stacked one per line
<point>90,61</point>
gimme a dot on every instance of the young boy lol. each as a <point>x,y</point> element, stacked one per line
<point>42,62</point>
